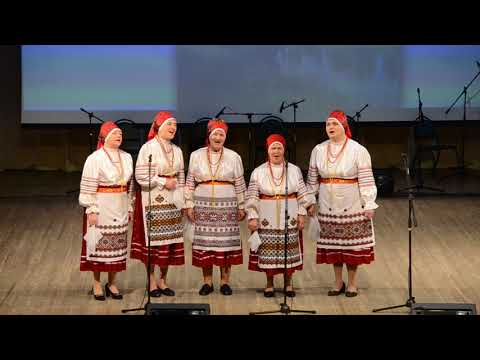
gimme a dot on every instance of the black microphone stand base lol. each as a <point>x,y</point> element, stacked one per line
<point>408,304</point>
<point>146,309</point>
<point>284,309</point>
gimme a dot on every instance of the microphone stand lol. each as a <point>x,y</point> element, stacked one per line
<point>90,131</point>
<point>412,221</point>
<point>149,217</point>
<point>461,169</point>
<point>357,122</point>
<point>90,138</point>
<point>284,308</point>
<point>295,107</point>
<point>249,115</point>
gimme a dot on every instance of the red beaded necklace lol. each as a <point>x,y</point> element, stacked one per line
<point>335,157</point>
<point>273,177</point>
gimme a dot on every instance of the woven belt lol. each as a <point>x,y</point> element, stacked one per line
<point>337,181</point>
<point>214,182</point>
<point>277,197</point>
<point>112,189</point>
<point>168,176</point>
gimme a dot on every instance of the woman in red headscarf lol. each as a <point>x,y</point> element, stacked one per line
<point>266,214</point>
<point>106,193</point>
<point>214,196</point>
<point>159,168</point>
<point>340,171</point>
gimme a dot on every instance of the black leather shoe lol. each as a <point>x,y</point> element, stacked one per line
<point>206,289</point>
<point>167,292</point>
<point>108,292</point>
<point>155,293</point>
<point>290,293</point>
<point>337,292</point>
<point>225,289</point>
<point>351,293</point>
<point>97,297</point>
<point>268,293</point>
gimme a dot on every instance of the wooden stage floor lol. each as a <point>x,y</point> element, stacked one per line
<point>40,252</point>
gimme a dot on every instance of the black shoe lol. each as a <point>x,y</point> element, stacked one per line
<point>351,293</point>
<point>155,293</point>
<point>268,293</point>
<point>337,292</point>
<point>225,289</point>
<point>290,293</point>
<point>206,289</point>
<point>97,297</point>
<point>167,292</point>
<point>108,292</point>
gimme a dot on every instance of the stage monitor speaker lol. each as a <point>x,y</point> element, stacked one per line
<point>177,309</point>
<point>443,309</point>
<point>383,181</point>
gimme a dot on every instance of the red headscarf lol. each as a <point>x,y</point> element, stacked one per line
<point>340,116</point>
<point>216,124</point>
<point>105,130</point>
<point>157,123</point>
<point>275,138</point>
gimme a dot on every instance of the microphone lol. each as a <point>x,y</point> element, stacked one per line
<point>220,113</point>
<point>418,91</point>
<point>85,111</point>
<point>150,158</point>
<point>282,107</point>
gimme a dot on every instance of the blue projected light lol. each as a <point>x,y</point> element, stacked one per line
<point>99,78</point>
<point>195,81</point>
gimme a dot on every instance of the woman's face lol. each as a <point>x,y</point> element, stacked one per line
<point>168,129</point>
<point>275,154</point>
<point>217,139</point>
<point>115,139</point>
<point>334,130</point>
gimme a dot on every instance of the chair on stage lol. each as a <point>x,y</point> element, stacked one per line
<point>427,147</point>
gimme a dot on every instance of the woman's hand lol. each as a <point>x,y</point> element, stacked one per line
<point>369,213</point>
<point>311,210</point>
<point>191,215</point>
<point>253,225</point>
<point>171,184</point>
<point>301,222</point>
<point>92,219</point>
<point>241,214</point>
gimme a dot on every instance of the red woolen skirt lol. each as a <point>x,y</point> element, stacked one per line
<point>349,257</point>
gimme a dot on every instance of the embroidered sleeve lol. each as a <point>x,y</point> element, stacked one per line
<point>143,169</point>
<point>253,197</point>
<point>131,195</point>
<point>89,185</point>
<point>190,183</point>
<point>305,199</point>
<point>312,177</point>
<point>239,182</point>
<point>366,182</point>
<point>181,172</point>
<point>131,187</point>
